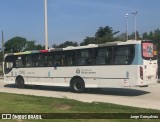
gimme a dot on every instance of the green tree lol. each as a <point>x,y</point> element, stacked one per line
<point>40,47</point>
<point>132,35</point>
<point>16,44</point>
<point>19,44</point>
<point>157,35</point>
<point>122,37</point>
<point>103,35</point>
<point>153,36</point>
<point>65,44</point>
<point>145,36</point>
<point>105,32</point>
<point>32,46</point>
<point>88,40</point>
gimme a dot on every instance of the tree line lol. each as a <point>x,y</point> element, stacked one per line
<point>102,35</point>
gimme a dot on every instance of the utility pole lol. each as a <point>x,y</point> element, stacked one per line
<point>126,16</point>
<point>46,24</point>
<point>2,46</point>
<point>135,23</point>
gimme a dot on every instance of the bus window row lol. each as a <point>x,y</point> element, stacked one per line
<point>120,55</point>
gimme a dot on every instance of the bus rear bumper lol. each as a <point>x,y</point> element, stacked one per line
<point>147,83</point>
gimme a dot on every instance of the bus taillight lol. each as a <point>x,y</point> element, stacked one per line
<point>141,73</point>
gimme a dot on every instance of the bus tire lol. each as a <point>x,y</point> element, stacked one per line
<point>77,85</point>
<point>20,82</point>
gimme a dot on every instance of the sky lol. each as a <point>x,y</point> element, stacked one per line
<point>74,20</point>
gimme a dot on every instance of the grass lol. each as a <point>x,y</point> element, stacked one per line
<point>13,103</point>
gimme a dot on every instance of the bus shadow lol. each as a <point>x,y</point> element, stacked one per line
<point>41,87</point>
<point>117,91</point>
<point>103,91</point>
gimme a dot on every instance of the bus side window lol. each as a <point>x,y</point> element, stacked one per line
<point>57,59</point>
<point>70,56</point>
<point>19,61</point>
<point>83,56</point>
<point>40,60</point>
<point>103,56</point>
<point>35,60</point>
<point>9,65</point>
<point>63,59</point>
<point>49,60</point>
<point>70,61</point>
<point>123,55</point>
<point>118,55</point>
<point>29,61</point>
<point>91,57</point>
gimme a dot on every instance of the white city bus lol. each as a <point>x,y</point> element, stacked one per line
<point>114,64</point>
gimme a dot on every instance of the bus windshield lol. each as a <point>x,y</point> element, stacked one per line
<point>8,64</point>
<point>149,51</point>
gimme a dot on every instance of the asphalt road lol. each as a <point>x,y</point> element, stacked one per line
<point>145,97</point>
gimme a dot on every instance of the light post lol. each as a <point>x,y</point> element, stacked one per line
<point>135,13</point>
<point>46,24</point>
<point>126,16</point>
<point>2,46</point>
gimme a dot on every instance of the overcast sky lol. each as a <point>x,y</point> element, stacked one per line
<point>74,20</point>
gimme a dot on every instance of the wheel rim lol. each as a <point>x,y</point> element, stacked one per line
<point>78,86</point>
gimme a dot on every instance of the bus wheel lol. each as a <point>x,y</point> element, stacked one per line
<point>77,85</point>
<point>20,82</point>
